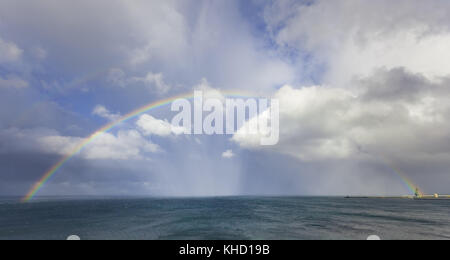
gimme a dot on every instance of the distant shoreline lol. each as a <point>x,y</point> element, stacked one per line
<point>424,197</point>
<point>102,198</point>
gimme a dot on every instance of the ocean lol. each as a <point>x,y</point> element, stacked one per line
<point>227,218</point>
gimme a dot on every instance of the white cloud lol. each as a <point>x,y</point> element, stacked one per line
<point>9,52</point>
<point>154,82</point>
<point>384,79</point>
<point>152,126</point>
<point>126,145</point>
<point>228,154</point>
<point>394,114</point>
<point>102,111</point>
<point>162,27</point>
<point>13,82</point>
<point>354,38</point>
<point>209,92</point>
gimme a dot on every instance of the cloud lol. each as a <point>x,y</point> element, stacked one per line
<point>157,48</point>
<point>228,154</point>
<point>363,79</point>
<point>9,52</point>
<point>165,34</point>
<point>13,82</point>
<point>39,53</point>
<point>153,82</point>
<point>75,43</point>
<point>38,140</point>
<point>394,114</point>
<point>354,38</point>
<point>156,43</point>
<point>152,126</point>
<point>126,145</point>
<point>209,92</point>
<point>102,111</point>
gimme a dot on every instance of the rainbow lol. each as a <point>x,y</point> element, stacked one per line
<point>135,113</point>
<point>409,184</point>
<point>155,105</point>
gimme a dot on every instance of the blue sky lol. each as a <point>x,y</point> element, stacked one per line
<point>357,80</point>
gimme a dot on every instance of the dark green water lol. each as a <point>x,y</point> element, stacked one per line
<point>226,218</point>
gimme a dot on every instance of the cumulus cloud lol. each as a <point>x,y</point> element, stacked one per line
<point>354,38</point>
<point>393,114</point>
<point>126,145</point>
<point>228,154</point>
<point>152,126</point>
<point>209,92</point>
<point>102,111</point>
<point>153,81</point>
<point>9,52</point>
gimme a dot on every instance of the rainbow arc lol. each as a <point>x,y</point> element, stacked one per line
<point>135,113</point>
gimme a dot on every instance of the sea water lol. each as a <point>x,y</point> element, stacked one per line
<point>225,218</point>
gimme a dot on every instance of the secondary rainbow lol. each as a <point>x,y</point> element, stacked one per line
<point>39,184</point>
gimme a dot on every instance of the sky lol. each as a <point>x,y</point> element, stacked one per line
<point>364,91</point>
